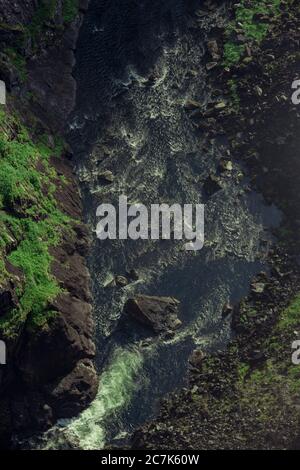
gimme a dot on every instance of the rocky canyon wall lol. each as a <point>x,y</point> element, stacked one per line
<point>45,302</point>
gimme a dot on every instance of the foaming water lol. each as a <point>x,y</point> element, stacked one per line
<point>118,382</point>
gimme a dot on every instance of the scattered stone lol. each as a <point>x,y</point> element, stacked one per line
<point>221,105</point>
<point>169,334</point>
<point>192,73</point>
<point>258,91</point>
<point>248,51</point>
<point>67,391</point>
<point>107,176</point>
<point>258,287</point>
<point>121,281</point>
<point>212,185</point>
<point>197,358</point>
<point>225,165</point>
<point>192,104</point>
<point>177,324</point>
<point>211,65</point>
<point>213,49</point>
<point>227,310</point>
<point>110,282</point>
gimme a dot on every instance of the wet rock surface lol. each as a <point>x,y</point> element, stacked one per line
<point>158,313</point>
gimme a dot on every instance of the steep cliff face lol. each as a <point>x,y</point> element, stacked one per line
<point>45,312</point>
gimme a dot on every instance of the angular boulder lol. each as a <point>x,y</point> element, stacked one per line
<point>158,313</point>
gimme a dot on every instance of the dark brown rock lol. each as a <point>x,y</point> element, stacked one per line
<point>227,310</point>
<point>212,185</point>
<point>213,49</point>
<point>53,103</point>
<point>74,391</point>
<point>197,358</point>
<point>158,313</point>
<point>56,348</point>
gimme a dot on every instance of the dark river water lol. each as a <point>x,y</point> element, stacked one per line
<point>138,62</point>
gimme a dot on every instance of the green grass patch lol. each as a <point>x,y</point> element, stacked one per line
<point>250,21</point>
<point>243,370</point>
<point>233,53</point>
<point>70,10</point>
<point>45,12</point>
<point>29,215</point>
<point>276,380</point>
<point>290,317</point>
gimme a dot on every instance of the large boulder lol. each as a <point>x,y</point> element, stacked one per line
<point>158,313</point>
<point>74,391</point>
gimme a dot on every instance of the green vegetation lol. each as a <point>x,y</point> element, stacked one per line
<point>232,53</point>
<point>12,27</point>
<point>70,10</point>
<point>30,220</point>
<point>38,29</point>
<point>44,13</point>
<point>277,379</point>
<point>265,391</point>
<point>243,370</point>
<point>250,22</point>
<point>291,316</point>
<point>44,17</point>
<point>18,61</point>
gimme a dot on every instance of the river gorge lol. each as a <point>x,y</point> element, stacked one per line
<point>149,342</point>
<point>137,66</point>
